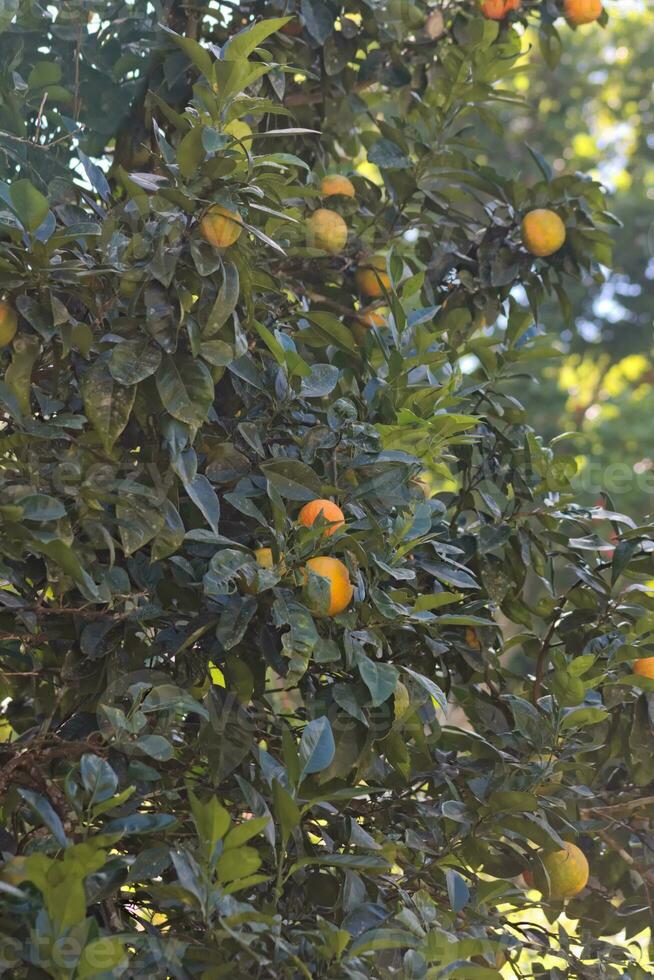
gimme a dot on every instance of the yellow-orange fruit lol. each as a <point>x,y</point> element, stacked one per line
<point>327,231</point>
<point>328,510</point>
<point>335,184</point>
<point>8,323</point>
<point>372,279</point>
<point>221,227</point>
<point>567,873</point>
<point>264,557</point>
<point>543,232</point>
<point>644,667</point>
<point>340,587</point>
<point>579,12</point>
<point>498,9</point>
<point>372,318</point>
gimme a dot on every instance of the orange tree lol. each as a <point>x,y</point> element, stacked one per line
<point>390,737</point>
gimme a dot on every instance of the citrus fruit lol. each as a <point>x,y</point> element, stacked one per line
<point>240,131</point>
<point>543,232</point>
<point>8,323</point>
<point>328,510</point>
<point>644,667</point>
<point>372,279</point>
<point>567,873</point>
<point>221,227</point>
<point>498,9</point>
<point>372,318</point>
<point>327,231</point>
<point>581,11</point>
<point>335,184</point>
<point>264,557</point>
<point>337,575</point>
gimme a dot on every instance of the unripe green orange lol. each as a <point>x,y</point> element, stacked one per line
<point>327,231</point>
<point>240,131</point>
<point>8,323</point>
<point>221,227</point>
<point>543,232</point>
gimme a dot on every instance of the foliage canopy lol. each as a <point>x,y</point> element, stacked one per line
<point>204,774</point>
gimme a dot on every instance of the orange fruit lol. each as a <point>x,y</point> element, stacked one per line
<point>335,184</point>
<point>293,28</point>
<point>221,227</point>
<point>327,231</point>
<point>326,509</point>
<point>372,279</point>
<point>543,232</point>
<point>335,572</point>
<point>8,323</point>
<point>644,667</point>
<point>567,871</point>
<point>498,9</point>
<point>581,11</point>
<point>372,318</point>
<point>264,557</point>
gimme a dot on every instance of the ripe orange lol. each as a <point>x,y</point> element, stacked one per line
<point>644,667</point>
<point>221,227</point>
<point>581,11</point>
<point>498,9</point>
<point>372,279</point>
<point>335,184</point>
<point>335,572</point>
<point>567,871</point>
<point>543,232</point>
<point>327,231</point>
<point>372,318</point>
<point>326,509</point>
<point>8,323</point>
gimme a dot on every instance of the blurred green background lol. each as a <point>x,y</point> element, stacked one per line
<point>594,113</point>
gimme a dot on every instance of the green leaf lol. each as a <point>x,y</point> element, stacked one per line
<point>30,205</point>
<point>225,301</point>
<point>102,955</point>
<point>237,863</point>
<point>186,389</point>
<point>98,777</point>
<point>292,479</point>
<point>286,810</point>
<point>379,678</point>
<point>211,821</point>
<point>107,404</point>
<point>243,44</point>
<point>317,746</point>
<point>133,360</point>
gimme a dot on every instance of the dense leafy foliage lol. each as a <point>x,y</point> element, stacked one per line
<point>204,775</point>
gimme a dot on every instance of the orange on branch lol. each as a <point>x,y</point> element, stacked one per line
<point>498,9</point>
<point>8,323</point>
<point>372,279</point>
<point>334,185</point>
<point>221,227</point>
<point>567,873</point>
<point>644,667</point>
<point>372,318</point>
<point>543,232</point>
<point>336,574</point>
<point>327,231</point>
<point>326,509</point>
<point>579,12</point>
